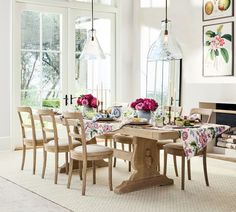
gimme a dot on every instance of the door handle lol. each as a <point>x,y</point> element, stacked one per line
<point>66,99</point>
<point>71,99</point>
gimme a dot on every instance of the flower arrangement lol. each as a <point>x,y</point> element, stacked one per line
<point>88,100</point>
<point>144,104</point>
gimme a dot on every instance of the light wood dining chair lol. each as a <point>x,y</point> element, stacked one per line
<point>57,145</point>
<point>30,139</point>
<point>161,143</point>
<point>123,140</point>
<point>85,152</point>
<point>176,149</point>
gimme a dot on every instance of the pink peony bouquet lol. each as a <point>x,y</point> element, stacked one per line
<point>144,104</point>
<point>88,100</point>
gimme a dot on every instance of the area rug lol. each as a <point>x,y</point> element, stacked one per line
<point>219,197</point>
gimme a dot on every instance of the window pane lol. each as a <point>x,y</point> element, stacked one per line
<point>31,98</point>
<point>50,74</point>
<point>30,27</point>
<point>90,75</point>
<point>105,2</point>
<point>51,31</point>
<point>30,70</point>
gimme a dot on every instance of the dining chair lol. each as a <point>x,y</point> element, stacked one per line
<point>30,137</point>
<point>123,140</point>
<point>176,149</point>
<point>161,143</point>
<point>86,152</point>
<point>107,138</point>
<point>57,145</point>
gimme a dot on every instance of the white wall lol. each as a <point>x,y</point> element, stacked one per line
<point>186,17</point>
<point>5,69</point>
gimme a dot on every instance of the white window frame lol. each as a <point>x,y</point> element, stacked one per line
<point>63,7</point>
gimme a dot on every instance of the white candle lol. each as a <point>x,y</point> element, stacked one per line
<point>101,96</point>
<point>97,98</point>
<point>174,102</point>
<point>105,105</point>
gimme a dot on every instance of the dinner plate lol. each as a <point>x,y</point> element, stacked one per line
<point>105,119</point>
<point>138,123</point>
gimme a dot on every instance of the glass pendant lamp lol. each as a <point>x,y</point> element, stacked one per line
<point>92,49</point>
<point>165,47</point>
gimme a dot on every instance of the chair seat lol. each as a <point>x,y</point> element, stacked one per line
<point>161,143</point>
<point>63,145</point>
<point>174,149</point>
<point>125,139</point>
<point>39,141</point>
<point>93,150</point>
<point>106,136</point>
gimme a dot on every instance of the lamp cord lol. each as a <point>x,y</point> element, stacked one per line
<point>166,20</point>
<point>92,23</point>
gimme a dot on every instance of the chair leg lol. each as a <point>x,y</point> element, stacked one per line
<point>80,169</point>
<point>23,157</point>
<point>84,177</point>
<point>175,165</point>
<point>165,163</point>
<point>189,169</point>
<point>34,159</point>
<point>44,163</point>
<point>129,169</point>
<point>114,165</point>
<point>110,173</point>
<point>67,165</point>
<point>183,173</point>
<point>56,167</point>
<point>94,172</point>
<point>205,168</point>
<point>70,172</point>
<point>158,159</point>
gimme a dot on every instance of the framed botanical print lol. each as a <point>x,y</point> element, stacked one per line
<point>214,9</point>
<point>218,49</point>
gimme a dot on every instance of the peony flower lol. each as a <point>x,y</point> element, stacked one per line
<point>94,103</point>
<point>139,106</point>
<point>85,102</point>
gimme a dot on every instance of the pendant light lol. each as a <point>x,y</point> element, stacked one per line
<point>165,47</point>
<point>92,49</point>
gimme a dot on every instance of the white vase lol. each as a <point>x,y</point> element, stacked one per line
<point>144,114</point>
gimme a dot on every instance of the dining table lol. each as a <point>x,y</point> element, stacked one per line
<point>144,160</point>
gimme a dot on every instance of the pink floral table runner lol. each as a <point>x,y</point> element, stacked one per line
<point>194,138</point>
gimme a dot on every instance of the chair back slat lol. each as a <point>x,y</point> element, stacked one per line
<point>27,111</point>
<point>47,116</point>
<point>205,113</point>
<point>78,131</point>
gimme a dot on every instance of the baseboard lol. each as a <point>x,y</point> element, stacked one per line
<point>5,143</point>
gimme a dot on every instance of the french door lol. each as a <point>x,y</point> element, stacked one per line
<point>92,76</point>
<point>47,46</point>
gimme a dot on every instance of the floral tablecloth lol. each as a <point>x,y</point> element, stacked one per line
<point>93,129</point>
<point>195,139</point>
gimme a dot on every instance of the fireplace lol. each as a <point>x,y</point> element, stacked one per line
<point>223,113</point>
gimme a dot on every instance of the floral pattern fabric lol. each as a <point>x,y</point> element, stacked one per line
<point>93,129</point>
<point>195,139</point>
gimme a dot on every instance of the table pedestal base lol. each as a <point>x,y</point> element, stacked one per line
<point>129,186</point>
<point>144,163</point>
